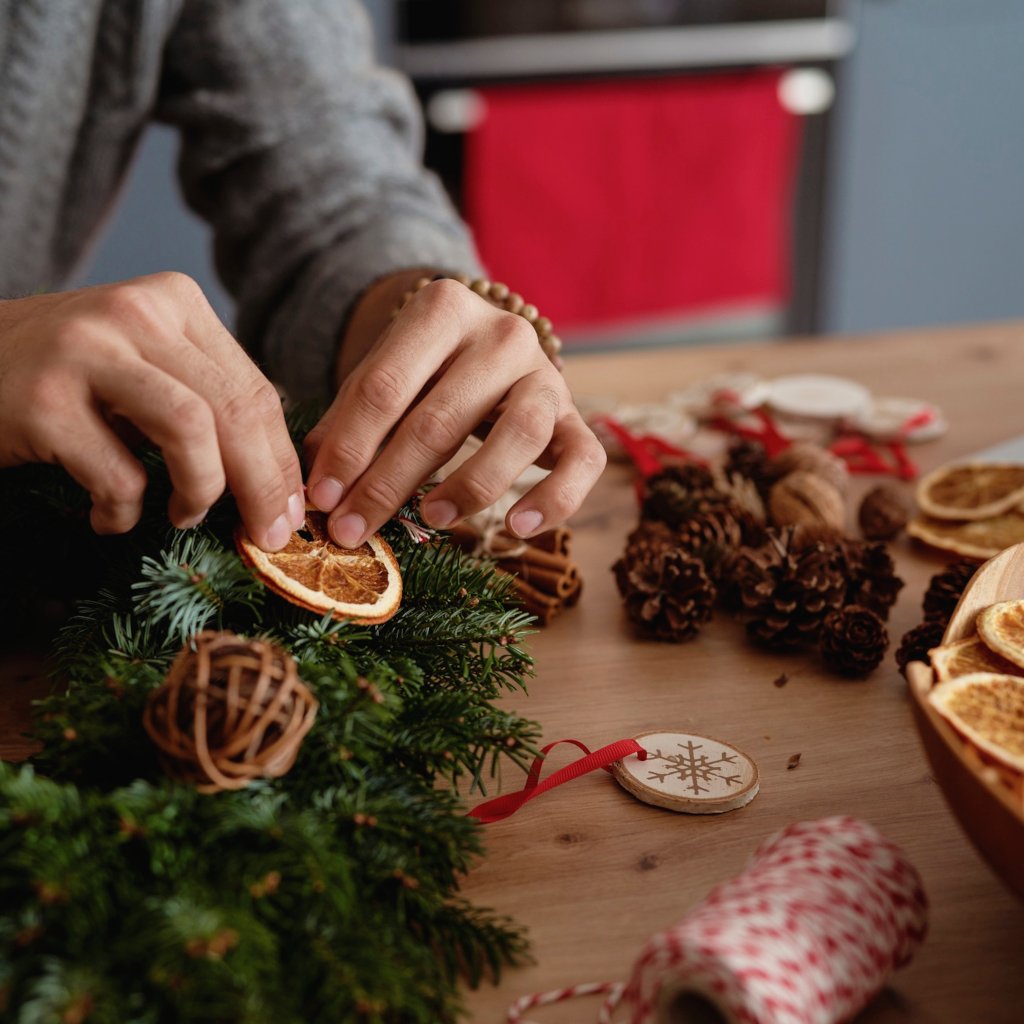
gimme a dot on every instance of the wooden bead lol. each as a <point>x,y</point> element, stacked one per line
<point>499,294</point>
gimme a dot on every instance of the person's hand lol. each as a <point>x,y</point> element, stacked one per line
<point>77,368</point>
<point>448,365</point>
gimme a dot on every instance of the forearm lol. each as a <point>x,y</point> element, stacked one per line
<point>371,314</point>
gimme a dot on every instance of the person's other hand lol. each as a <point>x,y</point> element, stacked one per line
<point>76,368</point>
<point>448,365</point>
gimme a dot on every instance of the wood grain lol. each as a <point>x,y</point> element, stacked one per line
<point>593,873</point>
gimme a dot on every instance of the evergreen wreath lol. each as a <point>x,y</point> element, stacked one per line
<point>330,894</point>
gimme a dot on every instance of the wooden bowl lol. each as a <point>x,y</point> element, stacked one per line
<point>986,797</point>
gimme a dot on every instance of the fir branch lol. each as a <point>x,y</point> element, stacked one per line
<point>191,585</point>
<point>328,894</point>
<point>441,573</point>
<point>429,626</point>
<point>99,630</point>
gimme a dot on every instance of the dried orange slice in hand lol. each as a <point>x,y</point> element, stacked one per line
<point>971,491</point>
<point>988,709</point>
<point>1001,626</point>
<point>962,657</point>
<point>362,584</point>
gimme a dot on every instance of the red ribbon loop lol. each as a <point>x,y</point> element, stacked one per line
<point>502,806</point>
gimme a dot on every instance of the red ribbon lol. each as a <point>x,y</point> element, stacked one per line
<point>644,450</point>
<point>502,806</point>
<point>768,434</point>
<point>887,459</point>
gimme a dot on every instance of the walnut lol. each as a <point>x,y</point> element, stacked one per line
<point>803,498</point>
<point>883,513</point>
<point>811,458</point>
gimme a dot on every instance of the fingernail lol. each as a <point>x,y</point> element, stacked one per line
<point>440,513</point>
<point>327,493</point>
<point>278,534</point>
<point>348,530</point>
<point>296,510</point>
<point>526,522</point>
<point>187,524</point>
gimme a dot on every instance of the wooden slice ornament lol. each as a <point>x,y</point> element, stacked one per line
<point>902,419</point>
<point>361,584</point>
<point>813,396</point>
<point>689,774</point>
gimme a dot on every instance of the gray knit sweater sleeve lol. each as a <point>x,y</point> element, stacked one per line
<point>304,157</point>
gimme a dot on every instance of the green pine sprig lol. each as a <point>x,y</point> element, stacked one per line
<point>329,894</point>
<point>191,584</point>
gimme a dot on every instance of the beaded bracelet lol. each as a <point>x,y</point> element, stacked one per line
<point>503,297</point>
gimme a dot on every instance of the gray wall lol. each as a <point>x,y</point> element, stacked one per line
<point>927,223</point>
<point>152,229</point>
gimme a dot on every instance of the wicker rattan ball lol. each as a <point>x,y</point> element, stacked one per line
<point>230,711</point>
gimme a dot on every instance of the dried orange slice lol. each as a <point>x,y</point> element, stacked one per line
<point>988,709</point>
<point>363,584</point>
<point>971,491</point>
<point>977,538</point>
<point>1001,626</point>
<point>962,657</point>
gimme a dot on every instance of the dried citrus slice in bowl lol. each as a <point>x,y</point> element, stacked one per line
<point>971,490</point>
<point>962,657</point>
<point>362,584</point>
<point>1001,626</point>
<point>988,709</point>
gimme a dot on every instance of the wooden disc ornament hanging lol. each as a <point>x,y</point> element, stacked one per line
<point>362,584</point>
<point>690,774</point>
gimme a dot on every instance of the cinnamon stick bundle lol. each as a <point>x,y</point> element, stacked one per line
<point>546,579</point>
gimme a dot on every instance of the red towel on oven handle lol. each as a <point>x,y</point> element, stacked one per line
<point>631,199</point>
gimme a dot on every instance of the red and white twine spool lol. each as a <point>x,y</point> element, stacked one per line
<point>808,933</point>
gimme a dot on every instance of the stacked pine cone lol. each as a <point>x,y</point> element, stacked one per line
<point>940,601</point>
<point>763,537</point>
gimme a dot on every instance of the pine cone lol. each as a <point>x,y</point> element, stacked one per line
<point>917,642</point>
<point>785,593</point>
<point>748,459</point>
<point>853,641</point>
<point>944,590</point>
<point>745,500</point>
<point>667,594</point>
<point>652,537</point>
<point>678,493</point>
<point>871,576</point>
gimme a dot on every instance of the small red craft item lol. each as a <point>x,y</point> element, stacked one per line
<point>808,933</point>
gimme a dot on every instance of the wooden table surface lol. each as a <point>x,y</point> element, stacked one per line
<point>592,872</point>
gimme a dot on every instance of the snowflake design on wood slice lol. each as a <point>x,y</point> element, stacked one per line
<point>684,772</point>
<point>694,769</point>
